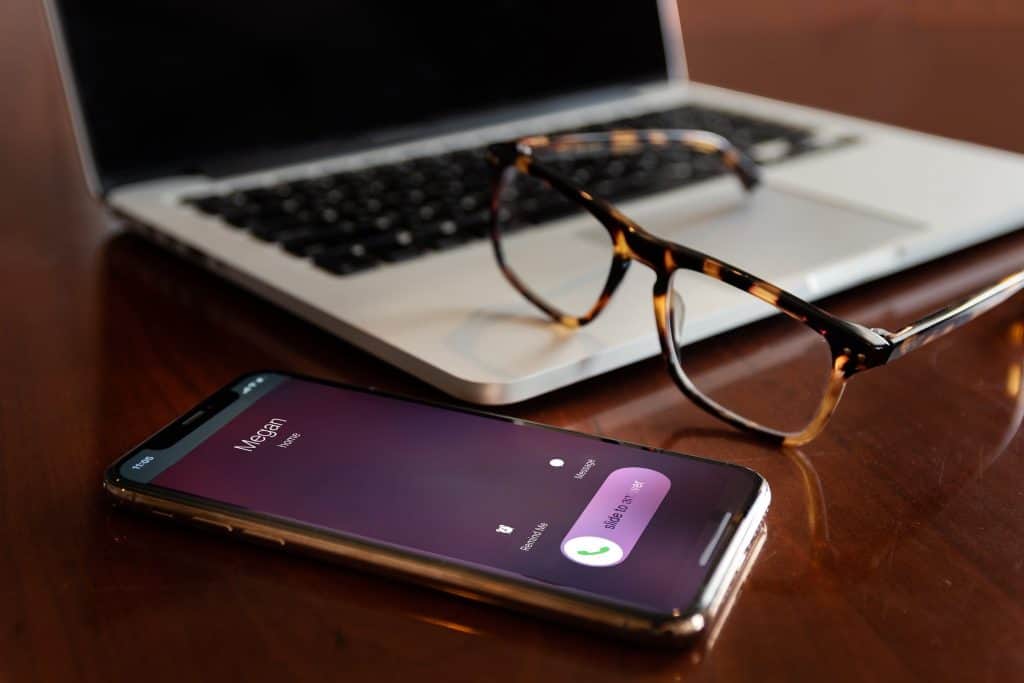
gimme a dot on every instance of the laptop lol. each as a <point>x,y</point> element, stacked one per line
<point>203,123</point>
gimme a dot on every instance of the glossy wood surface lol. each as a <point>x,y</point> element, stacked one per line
<point>896,541</point>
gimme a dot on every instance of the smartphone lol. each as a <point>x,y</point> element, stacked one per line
<point>623,538</point>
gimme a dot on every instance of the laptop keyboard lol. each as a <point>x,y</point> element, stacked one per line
<point>355,220</point>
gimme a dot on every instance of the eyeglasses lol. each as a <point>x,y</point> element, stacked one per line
<point>570,267</point>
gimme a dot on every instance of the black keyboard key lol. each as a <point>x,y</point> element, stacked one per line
<point>743,137</point>
<point>442,235</point>
<point>270,227</point>
<point>401,254</point>
<point>416,196</point>
<point>349,208</point>
<point>443,243</point>
<point>343,262</point>
<point>328,215</point>
<point>472,201</point>
<point>334,196</point>
<point>256,196</point>
<point>389,221</point>
<point>239,199</point>
<point>370,205</point>
<point>311,240</point>
<point>440,188</point>
<point>386,242</point>
<point>292,204</point>
<point>237,217</point>
<point>677,173</point>
<point>211,204</point>
<point>269,231</point>
<point>477,223</point>
<point>430,212</point>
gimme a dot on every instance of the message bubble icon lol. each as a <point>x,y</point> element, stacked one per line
<point>593,551</point>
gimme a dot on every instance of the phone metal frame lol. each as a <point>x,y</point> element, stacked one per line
<point>732,561</point>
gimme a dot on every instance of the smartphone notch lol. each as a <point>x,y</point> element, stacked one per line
<point>181,428</point>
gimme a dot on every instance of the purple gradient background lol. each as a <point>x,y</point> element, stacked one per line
<point>441,481</point>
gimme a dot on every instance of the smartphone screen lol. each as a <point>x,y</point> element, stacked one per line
<point>615,522</point>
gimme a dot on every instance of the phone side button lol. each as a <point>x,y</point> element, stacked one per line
<point>210,522</point>
<point>161,513</point>
<point>267,538</point>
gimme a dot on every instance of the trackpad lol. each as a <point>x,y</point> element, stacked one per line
<point>773,232</point>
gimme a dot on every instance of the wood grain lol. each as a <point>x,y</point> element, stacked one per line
<point>896,541</point>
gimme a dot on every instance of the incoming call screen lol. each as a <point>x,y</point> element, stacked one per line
<point>549,506</point>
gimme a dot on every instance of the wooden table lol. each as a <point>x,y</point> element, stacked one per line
<point>896,541</point>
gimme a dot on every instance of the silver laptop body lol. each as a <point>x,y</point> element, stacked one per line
<point>869,200</point>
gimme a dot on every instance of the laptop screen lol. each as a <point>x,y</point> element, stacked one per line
<point>172,86</point>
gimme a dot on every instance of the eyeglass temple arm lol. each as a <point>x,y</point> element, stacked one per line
<point>944,321</point>
<point>735,160</point>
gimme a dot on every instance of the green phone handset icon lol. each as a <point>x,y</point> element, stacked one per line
<point>589,553</point>
<point>593,551</point>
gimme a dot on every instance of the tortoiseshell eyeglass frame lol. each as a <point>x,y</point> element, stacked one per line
<point>854,347</point>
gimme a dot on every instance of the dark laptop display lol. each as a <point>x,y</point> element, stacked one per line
<point>180,86</point>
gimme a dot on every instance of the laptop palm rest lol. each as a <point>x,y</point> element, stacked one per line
<point>776,233</point>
